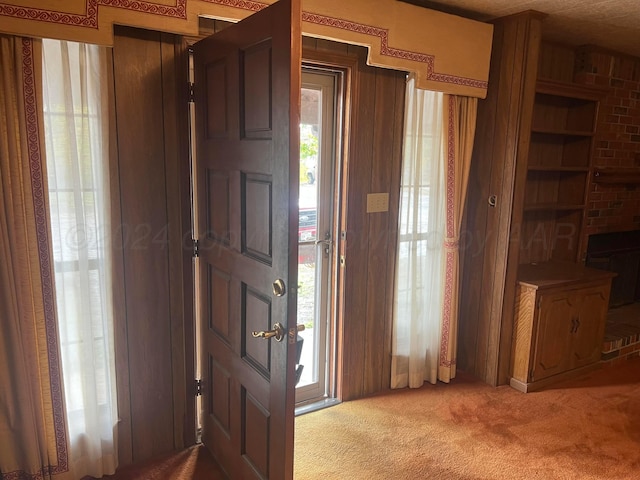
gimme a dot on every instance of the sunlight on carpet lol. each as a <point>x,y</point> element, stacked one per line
<point>588,428</point>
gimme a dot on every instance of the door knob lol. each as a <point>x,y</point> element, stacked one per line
<point>293,332</point>
<point>277,333</point>
<point>279,288</point>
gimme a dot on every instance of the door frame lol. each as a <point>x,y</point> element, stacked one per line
<point>331,157</point>
<point>347,67</point>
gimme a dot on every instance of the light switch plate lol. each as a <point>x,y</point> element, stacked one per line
<point>377,202</point>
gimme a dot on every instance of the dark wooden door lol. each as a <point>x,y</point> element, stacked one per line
<point>247,115</point>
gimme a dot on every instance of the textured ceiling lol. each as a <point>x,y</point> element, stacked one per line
<point>613,24</point>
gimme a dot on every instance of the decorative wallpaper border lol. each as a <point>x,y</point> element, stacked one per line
<point>90,19</point>
<point>386,50</point>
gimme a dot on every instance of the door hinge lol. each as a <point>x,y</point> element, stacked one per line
<point>196,248</point>
<point>198,387</point>
<point>192,95</point>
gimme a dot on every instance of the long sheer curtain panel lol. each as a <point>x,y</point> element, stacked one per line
<point>420,255</point>
<point>76,124</point>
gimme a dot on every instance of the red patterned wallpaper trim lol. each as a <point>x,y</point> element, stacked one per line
<point>381,33</point>
<point>386,50</point>
<point>90,20</point>
<point>241,4</point>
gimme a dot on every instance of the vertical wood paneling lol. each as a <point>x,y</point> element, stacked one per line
<point>501,357</point>
<point>144,217</point>
<point>499,166</point>
<point>357,245</point>
<point>556,62</point>
<point>373,166</point>
<point>152,166</point>
<point>392,228</point>
<point>473,306</point>
<point>119,308</point>
<point>174,76</point>
<point>501,183</point>
<point>379,247</point>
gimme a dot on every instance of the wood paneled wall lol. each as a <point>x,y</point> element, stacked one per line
<point>150,175</point>
<point>373,163</point>
<point>498,167</point>
<point>557,62</point>
<point>152,225</point>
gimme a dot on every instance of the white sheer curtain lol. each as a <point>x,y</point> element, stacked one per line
<point>420,256</point>
<point>76,123</point>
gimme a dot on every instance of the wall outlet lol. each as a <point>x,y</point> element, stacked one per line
<point>377,202</point>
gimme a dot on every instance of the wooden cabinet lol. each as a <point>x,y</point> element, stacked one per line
<point>560,317</point>
<point>559,160</point>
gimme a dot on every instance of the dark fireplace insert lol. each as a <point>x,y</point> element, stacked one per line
<point>618,252</point>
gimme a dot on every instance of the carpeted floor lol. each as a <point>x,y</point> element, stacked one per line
<point>194,463</point>
<point>588,428</point>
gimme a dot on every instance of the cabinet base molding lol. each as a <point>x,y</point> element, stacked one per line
<point>526,387</point>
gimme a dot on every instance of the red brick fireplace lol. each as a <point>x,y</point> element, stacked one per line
<point>612,233</point>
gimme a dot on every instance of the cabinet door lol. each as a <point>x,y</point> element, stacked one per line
<point>554,337</point>
<point>592,304</point>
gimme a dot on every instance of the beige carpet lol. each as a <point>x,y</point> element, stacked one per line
<point>588,428</point>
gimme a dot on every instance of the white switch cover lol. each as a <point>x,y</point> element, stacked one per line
<point>377,202</point>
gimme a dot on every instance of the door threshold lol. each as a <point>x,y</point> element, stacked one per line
<point>317,405</point>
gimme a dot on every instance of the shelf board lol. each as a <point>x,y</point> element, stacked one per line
<point>552,207</point>
<point>562,132</point>
<point>552,274</point>
<point>542,168</point>
<point>621,176</point>
<point>570,90</point>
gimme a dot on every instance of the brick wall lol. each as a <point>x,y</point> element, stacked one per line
<point>614,207</point>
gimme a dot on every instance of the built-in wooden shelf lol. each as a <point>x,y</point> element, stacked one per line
<point>552,207</point>
<point>566,133</point>
<point>543,168</point>
<point>563,125</point>
<point>627,176</point>
<point>570,90</point>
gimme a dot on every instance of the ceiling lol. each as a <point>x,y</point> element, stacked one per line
<point>613,24</point>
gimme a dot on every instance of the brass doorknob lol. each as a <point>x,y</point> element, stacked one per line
<point>279,289</point>
<point>277,333</point>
